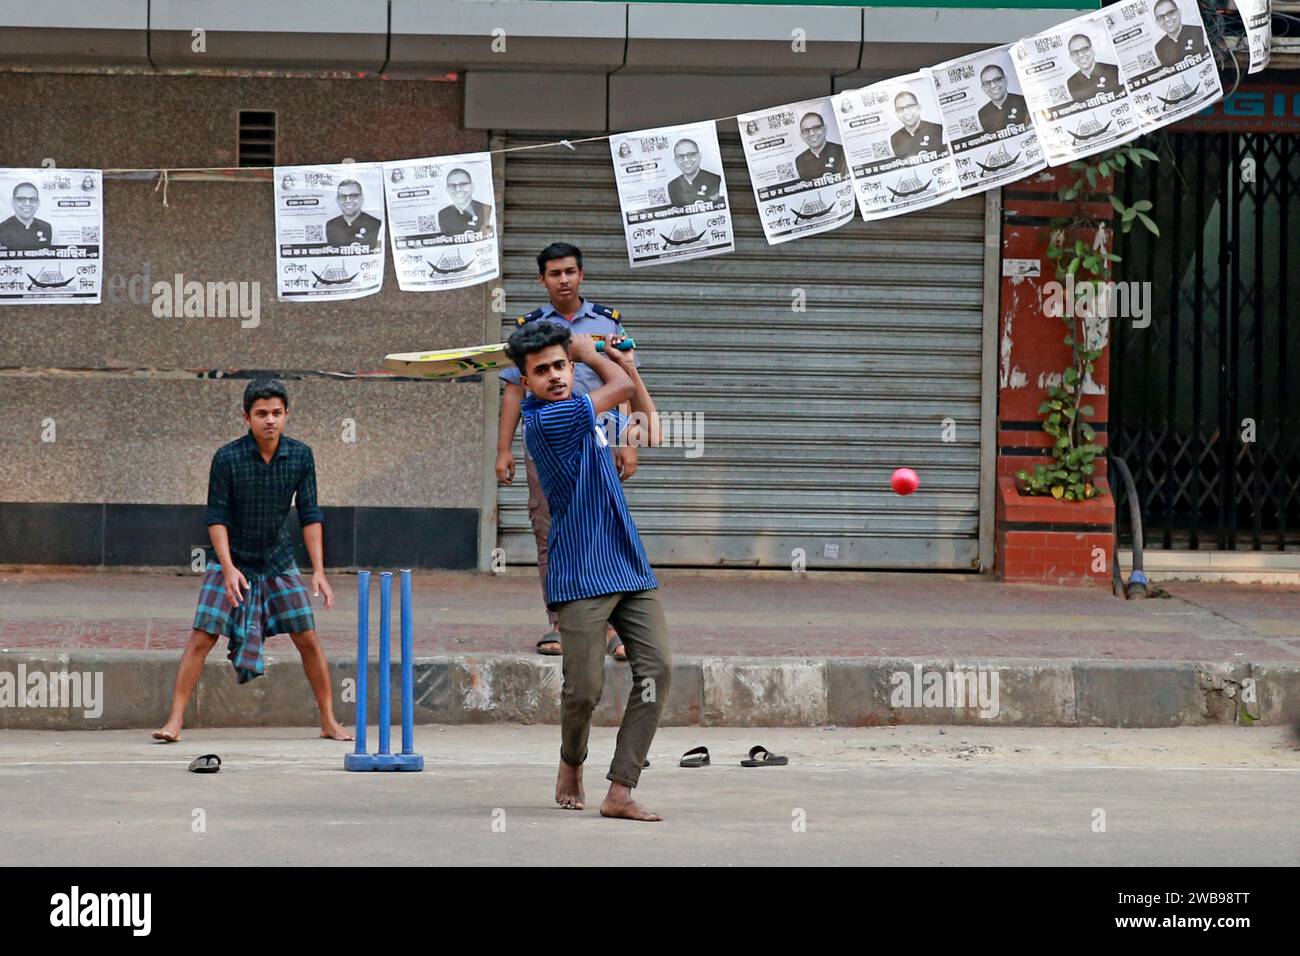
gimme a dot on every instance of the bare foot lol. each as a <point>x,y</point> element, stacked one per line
<point>169,733</point>
<point>619,803</point>
<point>568,788</point>
<point>615,647</point>
<point>334,731</point>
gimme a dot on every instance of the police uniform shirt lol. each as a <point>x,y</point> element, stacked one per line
<point>365,229</point>
<point>454,221</point>
<point>707,187</point>
<point>1104,79</point>
<point>592,319</point>
<point>994,119</point>
<point>36,235</point>
<point>927,138</point>
<point>1189,42</point>
<point>815,167</point>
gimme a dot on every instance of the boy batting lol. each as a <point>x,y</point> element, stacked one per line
<point>252,589</point>
<point>598,571</point>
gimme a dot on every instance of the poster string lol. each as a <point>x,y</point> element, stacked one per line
<point>569,143</point>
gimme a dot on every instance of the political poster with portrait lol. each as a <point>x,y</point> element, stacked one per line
<point>51,236</point>
<point>672,193</point>
<point>442,221</point>
<point>1165,59</point>
<point>1257,17</point>
<point>896,148</point>
<point>986,120</point>
<point>797,169</point>
<point>329,231</point>
<point>1072,80</point>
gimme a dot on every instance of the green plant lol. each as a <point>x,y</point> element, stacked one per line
<point>1085,272</point>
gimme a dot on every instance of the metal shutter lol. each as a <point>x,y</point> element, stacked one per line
<point>806,414</point>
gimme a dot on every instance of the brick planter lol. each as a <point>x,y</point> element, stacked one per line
<point>1045,541</point>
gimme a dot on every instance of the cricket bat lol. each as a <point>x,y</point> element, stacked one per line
<point>450,363</point>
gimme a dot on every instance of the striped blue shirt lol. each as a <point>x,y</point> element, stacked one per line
<point>594,545</point>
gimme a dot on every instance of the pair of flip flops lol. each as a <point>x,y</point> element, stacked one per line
<point>759,756</point>
<point>544,646</point>
<point>208,763</point>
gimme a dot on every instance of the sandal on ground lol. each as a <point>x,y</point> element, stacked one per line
<point>208,763</point>
<point>696,757</point>
<point>552,638</point>
<point>768,759</point>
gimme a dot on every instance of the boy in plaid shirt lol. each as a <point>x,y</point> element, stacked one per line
<point>252,589</point>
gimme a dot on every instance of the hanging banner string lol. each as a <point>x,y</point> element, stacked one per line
<point>195,173</point>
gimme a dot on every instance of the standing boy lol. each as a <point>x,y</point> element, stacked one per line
<point>559,268</point>
<point>252,589</point>
<point>598,570</point>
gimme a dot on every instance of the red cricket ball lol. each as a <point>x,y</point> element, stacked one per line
<point>904,481</point>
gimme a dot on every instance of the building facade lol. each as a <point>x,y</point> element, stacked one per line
<point>810,370</point>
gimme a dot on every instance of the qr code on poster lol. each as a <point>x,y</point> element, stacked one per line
<point>785,171</point>
<point>879,151</point>
<point>1147,61</point>
<point>658,196</point>
<point>315,234</point>
<point>426,224</point>
<point>969,126</point>
<point>90,234</point>
<point>1059,94</point>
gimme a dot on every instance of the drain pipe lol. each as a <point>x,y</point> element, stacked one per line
<point>1137,579</point>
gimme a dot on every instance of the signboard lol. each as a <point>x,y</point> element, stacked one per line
<point>1253,108</point>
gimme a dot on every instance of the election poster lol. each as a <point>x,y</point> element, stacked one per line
<point>51,242</point>
<point>1165,59</point>
<point>672,193</point>
<point>986,120</point>
<point>1257,17</point>
<point>894,140</point>
<point>442,221</point>
<point>329,230</point>
<point>798,169</point>
<point>1072,81</point>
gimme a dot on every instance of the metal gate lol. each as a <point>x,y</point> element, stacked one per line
<point>817,367</point>
<point>1204,409</point>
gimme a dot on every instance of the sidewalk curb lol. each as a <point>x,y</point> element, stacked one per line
<point>705,691</point>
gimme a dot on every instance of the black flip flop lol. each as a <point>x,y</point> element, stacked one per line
<point>696,757</point>
<point>552,638</point>
<point>208,763</point>
<point>768,759</point>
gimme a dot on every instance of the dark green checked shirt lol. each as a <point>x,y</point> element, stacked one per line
<point>252,499</point>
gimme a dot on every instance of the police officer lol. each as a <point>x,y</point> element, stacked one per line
<point>1179,42</point>
<point>822,155</point>
<point>1003,109</point>
<point>917,135</point>
<point>354,226</point>
<point>694,184</point>
<point>560,271</point>
<point>1093,77</point>
<point>465,214</point>
<point>23,230</point>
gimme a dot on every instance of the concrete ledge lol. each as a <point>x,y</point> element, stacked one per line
<point>130,689</point>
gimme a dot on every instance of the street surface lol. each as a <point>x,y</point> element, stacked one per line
<point>903,796</point>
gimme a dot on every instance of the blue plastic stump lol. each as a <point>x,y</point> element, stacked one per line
<point>407,760</point>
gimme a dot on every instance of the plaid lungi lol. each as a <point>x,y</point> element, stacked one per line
<point>273,604</point>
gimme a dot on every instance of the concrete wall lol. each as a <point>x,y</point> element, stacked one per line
<point>148,438</point>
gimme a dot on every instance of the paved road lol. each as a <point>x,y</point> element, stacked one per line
<point>900,796</point>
